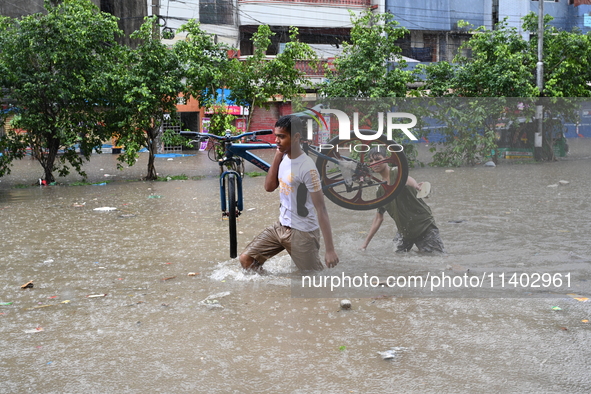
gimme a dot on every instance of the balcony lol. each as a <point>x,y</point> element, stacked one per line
<point>314,70</point>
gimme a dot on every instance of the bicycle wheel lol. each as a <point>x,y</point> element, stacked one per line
<point>232,212</point>
<point>347,179</point>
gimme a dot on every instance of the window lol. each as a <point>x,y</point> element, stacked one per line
<point>216,12</point>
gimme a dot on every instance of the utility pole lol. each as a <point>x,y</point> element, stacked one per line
<point>156,7</point>
<point>538,140</point>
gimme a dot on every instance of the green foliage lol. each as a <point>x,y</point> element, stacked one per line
<point>258,80</point>
<point>205,62</point>
<point>254,174</point>
<point>371,67</point>
<point>173,138</point>
<point>470,128</point>
<point>503,64</point>
<point>371,64</point>
<point>54,66</point>
<point>144,88</point>
<point>220,122</point>
<point>181,177</point>
<point>567,59</point>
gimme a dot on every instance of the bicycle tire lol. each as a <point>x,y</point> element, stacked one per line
<point>232,213</point>
<point>363,195</point>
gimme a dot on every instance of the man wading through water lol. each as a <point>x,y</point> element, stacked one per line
<point>302,212</point>
<point>413,217</point>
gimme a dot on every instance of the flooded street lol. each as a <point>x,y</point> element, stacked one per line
<point>114,309</point>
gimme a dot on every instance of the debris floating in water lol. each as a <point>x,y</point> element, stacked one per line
<point>34,330</point>
<point>392,353</point>
<point>105,209</point>
<point>96,295</point>
<point>28,285</point>
<point>345,304</point>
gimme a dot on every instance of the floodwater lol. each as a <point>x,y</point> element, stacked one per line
<point>158,329</point>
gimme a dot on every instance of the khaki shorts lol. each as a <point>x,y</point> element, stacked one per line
<point>303,247</point>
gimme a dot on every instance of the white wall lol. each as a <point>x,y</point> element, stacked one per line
<point>294,14</point>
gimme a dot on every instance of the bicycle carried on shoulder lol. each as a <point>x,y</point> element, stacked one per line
<point>343,166</point>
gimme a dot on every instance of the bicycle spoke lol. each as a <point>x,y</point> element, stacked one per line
<point>348,179</point>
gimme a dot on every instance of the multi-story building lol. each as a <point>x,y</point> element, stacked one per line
<point>435,31</point>
<point>131,13</point>
<point>436,36</point>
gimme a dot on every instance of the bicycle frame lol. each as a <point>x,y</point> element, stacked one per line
<point>354,175</point>
<point>241,150</point>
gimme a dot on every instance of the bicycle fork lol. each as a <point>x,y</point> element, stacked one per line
<point>238,185</point>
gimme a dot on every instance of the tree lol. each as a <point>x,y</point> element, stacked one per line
<point>500,66</point>
<point>53,66</point>
<point>503,65</point>
<point>258,80</point>
<point>567,59</point>
<point>206,64</point>
<point>145,88</point>
<point>371,65</point>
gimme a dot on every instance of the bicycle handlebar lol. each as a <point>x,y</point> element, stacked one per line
<point>194,134</point>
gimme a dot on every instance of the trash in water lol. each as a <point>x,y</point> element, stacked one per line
<point>5,303</point>
<point>342,348</point>
<point>169,278</point>
<point>38,306</point>
<point>455,221</point>
<point>96,295</point>
<point>392,353</point>
<point>490,164</point>
<point>585,321</point>
<point>193,274</point>
<point>28,285</point>
<point>345,304</point>
<point>154,196</point>
<point>211,300</point>
<point>578,297</point>
<point>99,184</point>
<point>553,185</point>
<point>127,215</point>
<point>556,308</point>
<point>563,182</point>
<point>34,330</point>
<point>105,209</point>
<point>449,170</point>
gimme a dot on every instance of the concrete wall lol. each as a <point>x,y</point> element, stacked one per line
<point>130,12</point>
<point>296,14</point>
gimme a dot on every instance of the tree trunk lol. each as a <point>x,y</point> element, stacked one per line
<point>152,149</point>
<point>47,159</point>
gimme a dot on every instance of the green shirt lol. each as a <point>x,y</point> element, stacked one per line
<point>412,216</point>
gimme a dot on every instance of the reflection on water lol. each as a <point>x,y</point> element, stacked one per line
<point>158,330</point>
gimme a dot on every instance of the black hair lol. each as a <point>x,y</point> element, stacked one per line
<point>377,150</point>
<point>289,123</point>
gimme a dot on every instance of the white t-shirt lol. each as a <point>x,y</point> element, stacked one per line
<point>291,174</point>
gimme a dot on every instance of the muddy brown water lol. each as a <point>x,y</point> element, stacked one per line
<point>225,331</point>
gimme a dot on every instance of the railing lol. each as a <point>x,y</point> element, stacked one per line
<point>313,70</point>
